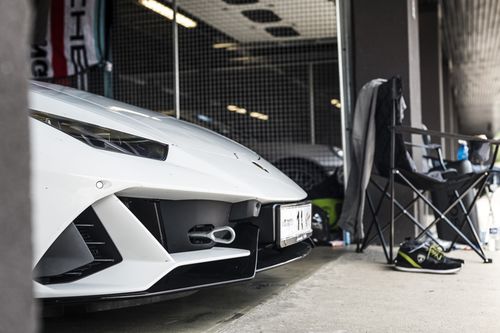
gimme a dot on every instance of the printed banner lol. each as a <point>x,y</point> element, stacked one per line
<point>71,45</point>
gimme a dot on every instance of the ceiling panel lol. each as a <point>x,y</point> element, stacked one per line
<point>312,19</point>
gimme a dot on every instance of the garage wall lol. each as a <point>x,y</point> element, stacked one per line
<point>263,73</point>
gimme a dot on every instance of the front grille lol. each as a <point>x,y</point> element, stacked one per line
<point>171,221</point>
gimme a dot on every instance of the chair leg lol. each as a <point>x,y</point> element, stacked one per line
<point>365,243</point>
<point>367,240</point>
<point>465,220</point>
<point>442,215</point>
<point>404,211</point>
<point>391,232</point>
<point>392,162</point>
<point>379,231</point>
<point>467,215</point>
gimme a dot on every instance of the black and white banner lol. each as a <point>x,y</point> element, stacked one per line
<point>72,42</point>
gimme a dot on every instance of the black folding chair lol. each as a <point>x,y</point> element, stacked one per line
<point>393,162</point>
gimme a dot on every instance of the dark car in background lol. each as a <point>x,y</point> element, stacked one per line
<point>306,164</point>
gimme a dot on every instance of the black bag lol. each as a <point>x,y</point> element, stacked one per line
<point>320,226</point>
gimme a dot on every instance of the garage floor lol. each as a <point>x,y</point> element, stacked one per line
<point>329,291</point>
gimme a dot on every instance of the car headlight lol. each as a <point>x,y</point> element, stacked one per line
<point>105,138</point>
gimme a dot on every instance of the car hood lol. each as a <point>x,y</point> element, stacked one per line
<point>93,109</point>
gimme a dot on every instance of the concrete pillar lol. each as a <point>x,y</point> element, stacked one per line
<point>431,69</point>
<point>450,114</point>
<point>16,310</point>
<point>385,39</point>
<point>385,43</point>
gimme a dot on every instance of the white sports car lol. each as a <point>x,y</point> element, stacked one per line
<point>129,203</point>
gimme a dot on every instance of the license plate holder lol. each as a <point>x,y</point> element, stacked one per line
<point>293,223</point>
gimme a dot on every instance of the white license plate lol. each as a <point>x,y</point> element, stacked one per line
<point>294,223</point>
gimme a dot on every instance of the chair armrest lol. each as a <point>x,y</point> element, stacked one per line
<point>413,130</point>
<point>428,146</point>
<point>437,159</point>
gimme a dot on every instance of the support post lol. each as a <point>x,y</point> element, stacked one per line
<point>17,312</point>
<point>344,46</point>
<point>175,47</point>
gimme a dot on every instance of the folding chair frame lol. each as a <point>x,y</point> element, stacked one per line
<point>404,211</point>
<point>479,183</point>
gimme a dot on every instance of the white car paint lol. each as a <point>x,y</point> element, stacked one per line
<point>68,176</point>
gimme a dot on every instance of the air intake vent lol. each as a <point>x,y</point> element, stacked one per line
<point>282,31</point>
<point>261,16</point>
<point>171,222</point>
<point>96,251</point>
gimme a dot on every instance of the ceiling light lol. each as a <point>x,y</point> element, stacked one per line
<point>223,45</point>
<point>243,59</point>
<point>335,102</point>
<point>204,118</point>
<point>167,12</point>
<point>259,116</point>
<point>237,109</point>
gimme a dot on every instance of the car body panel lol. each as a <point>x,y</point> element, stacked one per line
<point>200,165</point>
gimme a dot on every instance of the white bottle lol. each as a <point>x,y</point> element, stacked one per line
<point>493,238</point>
<point>494,203</point>
<point>493,235</point>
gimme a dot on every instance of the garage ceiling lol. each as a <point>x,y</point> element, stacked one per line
<point>319,23</point>
<point>472,39</point>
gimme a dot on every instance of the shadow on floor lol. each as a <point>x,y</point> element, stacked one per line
<point>198,312</point>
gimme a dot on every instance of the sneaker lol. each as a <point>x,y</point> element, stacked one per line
<point>428,243</point>
<point>414,256</point>
<point>441,245</point>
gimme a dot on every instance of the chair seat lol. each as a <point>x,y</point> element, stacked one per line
<point>428,183</point>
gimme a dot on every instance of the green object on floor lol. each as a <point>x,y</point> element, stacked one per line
<point>332,206</point>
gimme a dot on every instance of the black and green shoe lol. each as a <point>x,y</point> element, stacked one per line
<point>423,258</point>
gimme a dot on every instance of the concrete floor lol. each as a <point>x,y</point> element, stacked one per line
<point>329,291</point>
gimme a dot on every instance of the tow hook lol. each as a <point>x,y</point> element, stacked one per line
<point>222,235</point>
